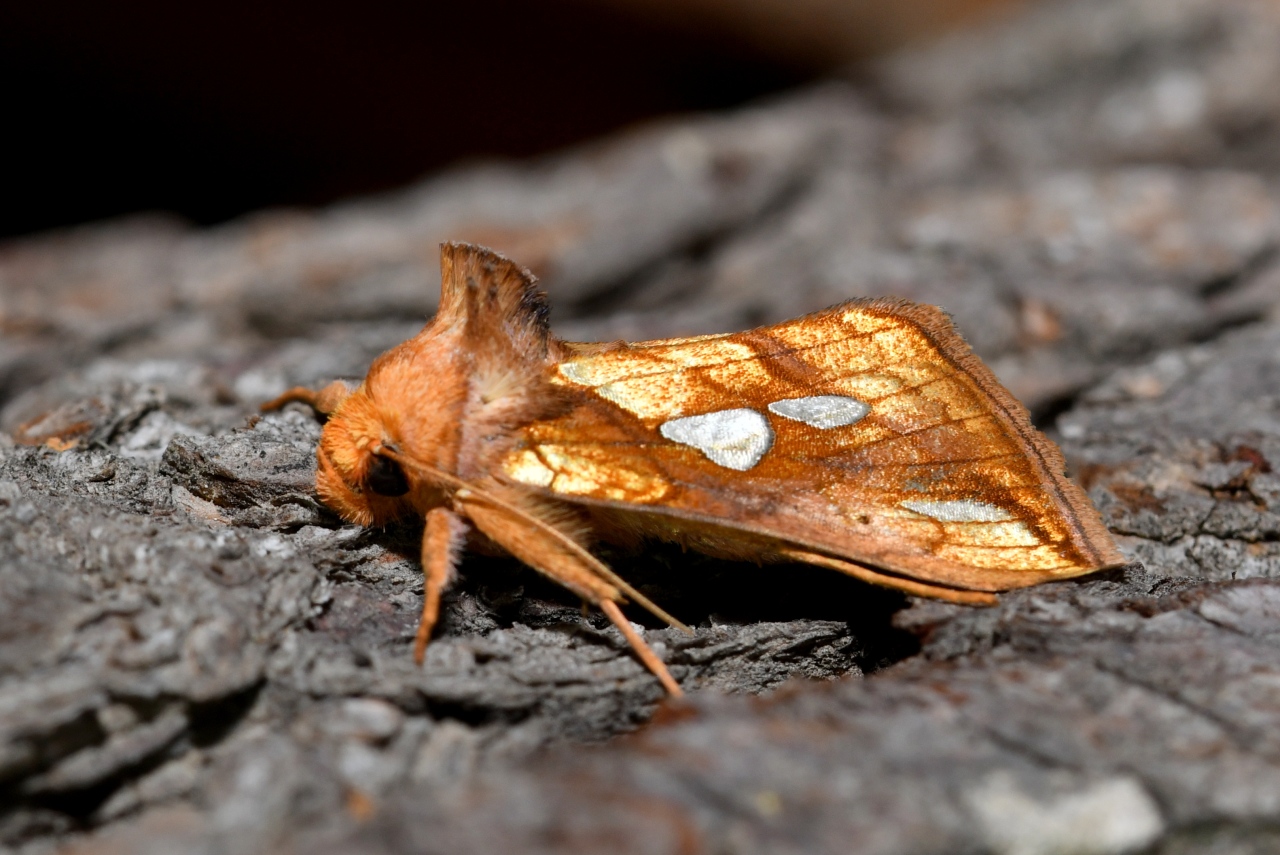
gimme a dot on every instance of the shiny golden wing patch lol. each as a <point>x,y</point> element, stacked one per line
<point>868,432</point>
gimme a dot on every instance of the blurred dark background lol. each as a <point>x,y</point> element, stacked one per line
<point>212,110</point>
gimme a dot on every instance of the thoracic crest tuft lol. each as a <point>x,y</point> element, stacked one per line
<point>494,296</point>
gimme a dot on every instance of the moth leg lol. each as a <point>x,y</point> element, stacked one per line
<point>910,586</point>
<point>441,543</point>
<point>563,561</point>
<point>323,401</point>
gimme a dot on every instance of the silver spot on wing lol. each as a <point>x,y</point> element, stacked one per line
<point>735,439</point>
<point>959,510</point>
<point>822,411</point>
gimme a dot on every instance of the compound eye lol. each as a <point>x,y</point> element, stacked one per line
<point>386,478</point>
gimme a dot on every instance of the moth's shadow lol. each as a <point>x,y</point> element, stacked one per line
<point>698,590</point>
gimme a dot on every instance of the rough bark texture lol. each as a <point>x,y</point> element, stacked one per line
<point>196,656</point>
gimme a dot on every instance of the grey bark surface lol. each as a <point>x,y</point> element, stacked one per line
<point>197,656</point>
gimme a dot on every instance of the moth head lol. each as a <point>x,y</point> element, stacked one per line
<point>353,474</point>
<point>404,411</point>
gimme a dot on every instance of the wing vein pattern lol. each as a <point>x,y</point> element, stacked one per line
<point>940,433</point>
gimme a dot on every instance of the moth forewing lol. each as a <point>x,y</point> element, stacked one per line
<point>868,433</point>
<point>866,438</point>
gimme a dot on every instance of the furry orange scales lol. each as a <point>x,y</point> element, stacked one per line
<point>866,438</point>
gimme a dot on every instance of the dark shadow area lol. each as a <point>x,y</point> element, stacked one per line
<point>212,111</point>
<point>212,721</point>
<point>702,591</point>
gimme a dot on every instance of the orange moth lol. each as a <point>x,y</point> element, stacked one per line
<point>866,438</point>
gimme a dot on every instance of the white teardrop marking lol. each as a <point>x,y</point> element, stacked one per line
<point>959,510</point>
<point>822,411</point>
<point>735,439</point>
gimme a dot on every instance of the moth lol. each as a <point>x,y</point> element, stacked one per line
<point>866,438</point>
